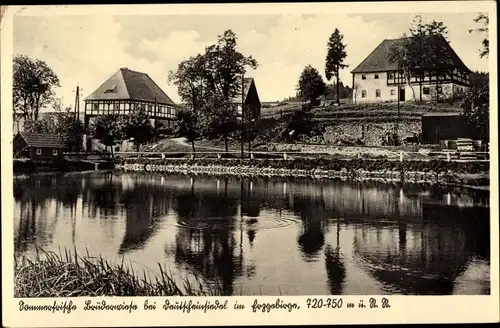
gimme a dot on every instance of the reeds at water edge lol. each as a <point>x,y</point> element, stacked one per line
<point>67,274</point>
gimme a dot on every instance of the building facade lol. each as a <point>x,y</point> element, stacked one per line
<point>39,147</point>
<point>123,93</point>
<point>377,79</point>
<point>126,91</point>
<point>249,97</point>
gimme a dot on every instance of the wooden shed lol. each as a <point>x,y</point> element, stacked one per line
<point>438,127</point>
<point>38,146</point>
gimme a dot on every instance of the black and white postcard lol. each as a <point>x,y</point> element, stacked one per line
<point>228,164</point>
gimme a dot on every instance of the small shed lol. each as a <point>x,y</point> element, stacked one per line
<point>38,146</point>
<point>438,127</point>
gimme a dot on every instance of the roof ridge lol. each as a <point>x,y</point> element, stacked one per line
<point>124,80</point>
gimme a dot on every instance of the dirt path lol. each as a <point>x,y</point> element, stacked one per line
<point>183,142</point>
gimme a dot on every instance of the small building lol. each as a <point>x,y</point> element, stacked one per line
<point>377,79</point>
<point>441,127</point>
<point>250,98</point>
<point>42,147</point>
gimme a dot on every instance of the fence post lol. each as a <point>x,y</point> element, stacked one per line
<point>251,155</point>
<point>400,156</point>
<point>448,157</point>
<point>218,156</point>
<point>284,155</point>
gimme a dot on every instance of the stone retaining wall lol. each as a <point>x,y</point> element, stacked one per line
<point>242,170</point>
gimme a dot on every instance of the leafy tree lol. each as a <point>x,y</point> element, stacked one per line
<point>188,126</point>
<point>485,21</point>
<point>311,84</point>
<point>211,79</point>
<point>299,124</point>
<point>108,130</point>
<point>335,58</point>
<point>476,107</point>
<point>425,49</point>
<point>137,127</point>
<point>190,79</point>
<point>33,84</point>
<point>220,119</point>
<point>63,123</point>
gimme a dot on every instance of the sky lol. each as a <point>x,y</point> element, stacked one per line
<point>85,50</point>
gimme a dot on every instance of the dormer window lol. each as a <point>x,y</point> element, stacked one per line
<point>111,89</point>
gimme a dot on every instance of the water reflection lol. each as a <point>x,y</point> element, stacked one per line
<point>313,236</point>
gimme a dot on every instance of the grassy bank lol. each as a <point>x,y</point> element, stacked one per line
<point>67,274</point>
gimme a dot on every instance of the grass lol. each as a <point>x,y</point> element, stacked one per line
<point>67,274</point>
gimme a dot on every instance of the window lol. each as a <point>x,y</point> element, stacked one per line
<point>363,93</point>
<point>377,93</point>
<point>393,92</point>
<point>425,90</point>
<point>111,88</point>
<point>54,152</point>
<point>101,106</point>
<point>39,151</point>
<point>376,76</point>
<point>363,77</point>
<point>390,75</point>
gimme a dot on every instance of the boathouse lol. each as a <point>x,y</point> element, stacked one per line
<point>437,127</point>
<point>40,147</point>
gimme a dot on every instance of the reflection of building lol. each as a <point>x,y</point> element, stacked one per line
<point>426,258</point>
<point>376,78</point>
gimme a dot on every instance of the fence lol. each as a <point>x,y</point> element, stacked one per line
<point>454,156</point>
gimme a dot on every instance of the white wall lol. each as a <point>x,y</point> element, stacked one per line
<point>370,85</point>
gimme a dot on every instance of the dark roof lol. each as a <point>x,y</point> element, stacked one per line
<point>42,140</point>
<point>378,59</point>
<point>248,81</point>
<point>127,84</point>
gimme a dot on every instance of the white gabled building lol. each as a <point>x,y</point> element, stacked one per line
<point>376,78</point>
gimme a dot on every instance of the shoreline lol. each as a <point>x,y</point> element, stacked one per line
<point>442,173</point>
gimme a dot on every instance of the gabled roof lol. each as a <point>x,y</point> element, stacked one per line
<point>126,84</point>
<point>42,140</point>
<point>248,81</point>
<point>378,59</point>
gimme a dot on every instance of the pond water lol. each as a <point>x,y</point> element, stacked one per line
<point>265,236</point>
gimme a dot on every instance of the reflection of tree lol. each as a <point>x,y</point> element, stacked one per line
<point>145,205</point>
<point>205,242</point>
<point>311,212</point>
<point>335,268</point>
<point>438,253</point>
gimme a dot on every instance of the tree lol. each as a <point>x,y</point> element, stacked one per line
<point>33,84</point>
<point>485,20</point>
<point>190,79</point>
<point>476,107</point>
<point>311,84</point>
<point>108,130</point>
<point>211,79</point>
<point>426,49</point>
<point>220,119</point>
<point>137,127</point>
<point>226,66</point>
<point>63,123</point>
<point>335,58</point>
<point>187,125</point>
